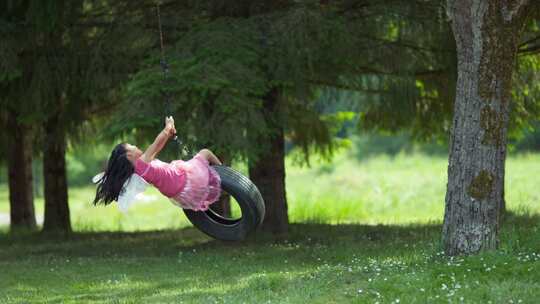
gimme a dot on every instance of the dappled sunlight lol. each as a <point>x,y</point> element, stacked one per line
<point>331,263</point>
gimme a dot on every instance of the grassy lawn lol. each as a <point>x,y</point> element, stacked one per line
<point>402,190</point>
<point>385,249</point>
<point>316,263</point>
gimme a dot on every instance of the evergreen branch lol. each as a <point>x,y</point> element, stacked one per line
<point>411,45</point>
<point>529,41</point>
<point>530,50</point>
<point>345,87</point>
<point>98,111</point>
<point>431,72</point>
<point>371,70</point>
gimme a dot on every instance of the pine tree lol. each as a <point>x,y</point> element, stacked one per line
<point>258,68</point>
<point>69,58</point>
<point>16,131</point>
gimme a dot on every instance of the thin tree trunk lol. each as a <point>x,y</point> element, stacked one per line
<point>486,34</point>
<point>55,179</point>
<point>268,171</point>
<point>21,196</point>
<point>223,205</point>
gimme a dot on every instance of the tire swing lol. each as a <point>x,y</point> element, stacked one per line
<point>233,183</point>
<point>251,206</point>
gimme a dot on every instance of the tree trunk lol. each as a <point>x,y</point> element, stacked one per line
<point>486,34</point>
<point>21,196</point>
<point>268,171</point>
<point>55,179</point>
<point>223,205</point>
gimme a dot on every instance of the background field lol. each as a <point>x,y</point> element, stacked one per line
<point>400,189</point>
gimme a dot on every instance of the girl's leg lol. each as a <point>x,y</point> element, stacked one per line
<point>210,156</point>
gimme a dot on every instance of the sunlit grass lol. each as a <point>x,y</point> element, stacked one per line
<point>316,263</point>
<point>404,189</point>
<point>380,190</point>
<point>399,190</point>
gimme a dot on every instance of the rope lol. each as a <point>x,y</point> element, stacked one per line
<point>165,68</point>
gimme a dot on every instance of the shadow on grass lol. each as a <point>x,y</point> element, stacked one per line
<point>180,265</point>
<point>185,265</point>
<point>172,242</point>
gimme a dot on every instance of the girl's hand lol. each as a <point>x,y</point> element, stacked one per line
<point>169,126</point>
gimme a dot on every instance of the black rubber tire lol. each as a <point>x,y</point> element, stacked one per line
<point>251,205</point>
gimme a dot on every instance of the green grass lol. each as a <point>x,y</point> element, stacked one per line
<point>316,263</point>
<point>400,190</point>
<point>382,190</point>
<point>386,246</point>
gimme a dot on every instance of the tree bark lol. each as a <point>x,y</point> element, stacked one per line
<point>21,196</point>
<point>55,178</point>
<point>486,34</point>
<point>223,205</point>
<point>268,171</point>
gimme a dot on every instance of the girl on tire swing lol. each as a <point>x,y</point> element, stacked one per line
<point>191,184</point>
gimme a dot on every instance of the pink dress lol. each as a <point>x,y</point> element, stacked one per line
<point>191,184</point>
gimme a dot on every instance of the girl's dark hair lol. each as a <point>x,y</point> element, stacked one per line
<point>119,169</point>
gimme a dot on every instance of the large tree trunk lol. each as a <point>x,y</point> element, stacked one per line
<point>21,196</point>
<point>268,171</point>
<point>486,34</point>
<point>55,179</point>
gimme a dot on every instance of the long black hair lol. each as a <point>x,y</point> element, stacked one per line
<point>119,169</point>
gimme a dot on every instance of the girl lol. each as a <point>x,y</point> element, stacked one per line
<point>191,185</point>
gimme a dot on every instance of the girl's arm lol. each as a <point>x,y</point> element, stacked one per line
<point>160,140</point>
